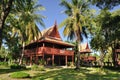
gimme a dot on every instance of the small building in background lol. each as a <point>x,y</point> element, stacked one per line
<point>85,57</point>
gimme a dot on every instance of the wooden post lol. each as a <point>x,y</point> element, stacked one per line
<point>59,60</point>
<point>66,60</point>
<point>42,56</point>
<point>36,59</point>
<point>52,59</point>
<point>30,60</point>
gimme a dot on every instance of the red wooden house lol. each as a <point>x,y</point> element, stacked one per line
<point>50,48</point>
<point>85,53</point>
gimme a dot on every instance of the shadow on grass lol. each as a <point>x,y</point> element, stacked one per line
<point>112,68</point>
<point>4,71</point>
<point>71,74</point>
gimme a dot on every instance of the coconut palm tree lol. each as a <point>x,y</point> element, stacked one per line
<point>26,18</point>
<point>76,22</point>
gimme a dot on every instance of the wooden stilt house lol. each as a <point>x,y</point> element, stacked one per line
<point>85,53</point>
<point>85,57</point>
<point>49,47</point>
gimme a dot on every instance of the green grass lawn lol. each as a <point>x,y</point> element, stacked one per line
<point>65,74</point>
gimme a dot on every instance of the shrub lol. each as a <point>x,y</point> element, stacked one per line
<point>37,68</point>
<point>41,68</point>
<point>19,75</point>
<point>34,67</point>
<point>41,62</point>
<point>4,63</point>
<point>16,66</point>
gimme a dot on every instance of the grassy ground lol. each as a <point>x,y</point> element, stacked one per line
<point>64,74</point>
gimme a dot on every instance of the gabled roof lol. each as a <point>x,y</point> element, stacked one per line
<point>52,32</point>
<point>50,35</point>
<point>84,48</point>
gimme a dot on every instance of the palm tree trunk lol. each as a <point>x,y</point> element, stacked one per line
<point>22,54</point>
<point>78,58</point>
<point>78,61</point>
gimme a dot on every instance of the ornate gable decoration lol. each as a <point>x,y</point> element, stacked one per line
<point>51,33</point>
<point>84,48</point>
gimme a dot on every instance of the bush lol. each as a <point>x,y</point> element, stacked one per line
<point>37,68</point>
<point>16,66</point>
<point>41,62</point>
<point>34,67</point>
<point>19,75</point>
<point>4,63</point>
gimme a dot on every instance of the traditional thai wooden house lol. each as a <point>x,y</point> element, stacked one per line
<point>85,57</point>
<point>49,47</point>
<point>85,52</point>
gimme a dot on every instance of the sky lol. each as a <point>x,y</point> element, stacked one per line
<point>54,13</point>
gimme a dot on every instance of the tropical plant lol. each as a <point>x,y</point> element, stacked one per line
<point>78,20</point>
<point>28,17</point>
<point>21,25</point>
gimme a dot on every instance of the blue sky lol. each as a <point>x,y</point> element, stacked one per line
<point>54,12</point>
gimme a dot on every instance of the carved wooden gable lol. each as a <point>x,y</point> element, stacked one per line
<point>52,33</point>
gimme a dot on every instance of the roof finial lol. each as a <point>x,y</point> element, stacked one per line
<point>55,23</point>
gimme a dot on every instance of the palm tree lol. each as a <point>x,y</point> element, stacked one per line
<point>76,22</point>
<point>26,20</point>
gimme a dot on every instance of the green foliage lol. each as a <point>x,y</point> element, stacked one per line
<point>37,68</point>
<point>4,63</point>
<point>106,33</point>
<point>41,62</point>
<point>19,75</point>
<point>107,29</point>
<point>78,22</point>
<point>16,66</point>
<point>79,18</point>
<point>110,4</point>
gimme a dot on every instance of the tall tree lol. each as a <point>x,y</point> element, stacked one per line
<point>108,25</point>
<point>22,22</point>
<point>5,7</point>
<point>28,17</point>
<point>78,13</point>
